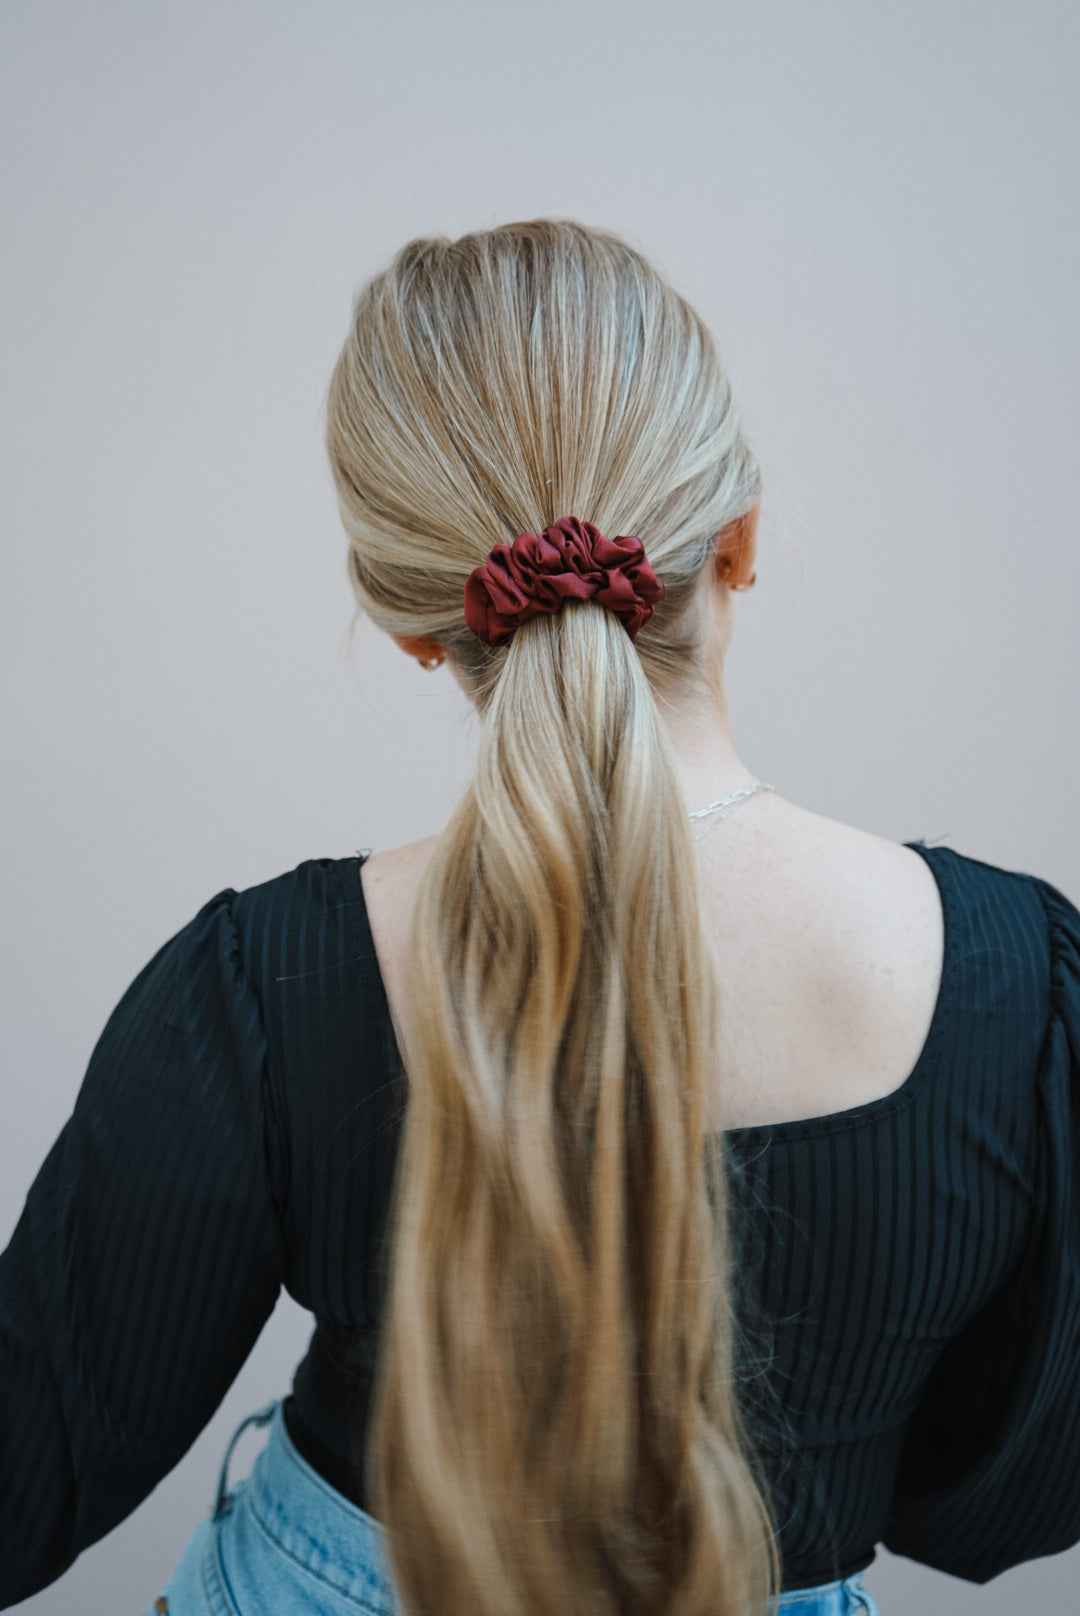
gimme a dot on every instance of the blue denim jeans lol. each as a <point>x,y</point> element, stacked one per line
<point>285,1543</point>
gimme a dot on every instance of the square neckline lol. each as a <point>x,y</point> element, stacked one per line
<point>794,1128</point>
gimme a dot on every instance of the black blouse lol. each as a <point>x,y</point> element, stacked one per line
<point>911,1266</point>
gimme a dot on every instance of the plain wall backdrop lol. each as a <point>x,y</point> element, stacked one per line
<point>875,208</point>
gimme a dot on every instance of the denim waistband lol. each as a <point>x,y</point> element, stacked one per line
<point>306,1518</point>
<point>286,1509</point>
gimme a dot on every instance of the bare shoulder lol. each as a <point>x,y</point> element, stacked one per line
<point>788,861</point>
<point>389,879</point>
<point>879,881</point>
<point>395,864</point>
<point>869,892</point>
<point>861,921</point>
<point>831,944</point>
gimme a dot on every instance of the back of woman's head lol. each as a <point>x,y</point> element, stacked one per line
<point>556,1427</point>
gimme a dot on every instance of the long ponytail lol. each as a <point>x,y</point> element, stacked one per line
<point>556,1427</point>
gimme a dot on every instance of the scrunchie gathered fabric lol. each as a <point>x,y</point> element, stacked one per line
<point>569,560</point>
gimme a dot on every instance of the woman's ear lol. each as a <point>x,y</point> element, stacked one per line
<point>736,549</point>
<point>428,652</point>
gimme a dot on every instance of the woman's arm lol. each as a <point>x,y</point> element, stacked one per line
<point>146,1261</point>
<point>990,1473</point>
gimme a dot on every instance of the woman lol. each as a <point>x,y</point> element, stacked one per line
<point>731,1147</point>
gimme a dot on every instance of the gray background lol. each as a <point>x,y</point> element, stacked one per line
<point>875,208</point>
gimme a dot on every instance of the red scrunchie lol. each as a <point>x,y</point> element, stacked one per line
<point>571,559</point>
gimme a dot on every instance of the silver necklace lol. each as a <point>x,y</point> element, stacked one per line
<point>724,806</point>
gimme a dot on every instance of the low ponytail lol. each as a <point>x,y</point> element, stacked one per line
<point>556,1428</point>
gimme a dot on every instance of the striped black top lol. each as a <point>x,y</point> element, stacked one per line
<point>911,1267</point>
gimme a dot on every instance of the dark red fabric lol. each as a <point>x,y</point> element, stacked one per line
<point>571,559</point>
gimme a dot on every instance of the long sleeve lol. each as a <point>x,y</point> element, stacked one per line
<point>146,1260</point>
<point>990,1472</point>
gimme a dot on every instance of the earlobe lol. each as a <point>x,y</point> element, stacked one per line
<point>428,652</point>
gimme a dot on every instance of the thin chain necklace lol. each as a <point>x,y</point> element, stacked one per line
<point>724,806</point>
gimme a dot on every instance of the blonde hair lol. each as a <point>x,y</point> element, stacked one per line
<point>556,1427</point>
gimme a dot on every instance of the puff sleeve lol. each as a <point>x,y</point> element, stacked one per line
<point>990,1471</point>
<point>146,1260</point>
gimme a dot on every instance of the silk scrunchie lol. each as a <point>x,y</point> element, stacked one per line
<point>569,560</point>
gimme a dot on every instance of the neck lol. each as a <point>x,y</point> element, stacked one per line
<point>703,744</point>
